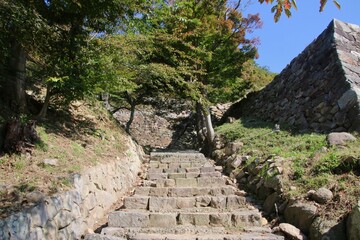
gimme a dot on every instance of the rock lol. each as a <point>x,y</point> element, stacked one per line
<point>233,147</point>
<point>236,162</point>
<point>310,193</point>
<point>51,162</point>
<point>339,138</point>
<point>218,155</point>
<point>327,229</point>
<point>35,196</point>
<point>290,231</point>
<point>322,195</point>
<point>352,224</point>
<point>270,201</point>
<point>301,215</point>
<point>274,182</point>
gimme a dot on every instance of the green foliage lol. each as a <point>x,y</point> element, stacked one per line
<point>298,168</point>
<point>205,42</point>
<point>259,135</point>
<point>257,76</point>
<point>327,164</point>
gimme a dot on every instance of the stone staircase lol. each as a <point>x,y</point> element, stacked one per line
<point>185,196</point>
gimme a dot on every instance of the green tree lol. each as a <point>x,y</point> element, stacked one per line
<point>54,36</point>
<point>213,33</point>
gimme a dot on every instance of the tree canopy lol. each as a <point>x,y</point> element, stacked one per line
<point>129,49</point>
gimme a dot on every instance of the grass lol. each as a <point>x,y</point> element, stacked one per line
<point>310,161</point>
<point>79,138</point>
<point>258,135</point>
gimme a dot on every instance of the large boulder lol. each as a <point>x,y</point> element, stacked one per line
<point>353,223</point>
<point>339,138</point>
<point>322,195</point>
<point>327,229</point>
<point>290,231</point>
<point>301,215</point>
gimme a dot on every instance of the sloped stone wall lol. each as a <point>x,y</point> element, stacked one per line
<point>318,90</point>
<point>162,123</point>
<point>71,214</point>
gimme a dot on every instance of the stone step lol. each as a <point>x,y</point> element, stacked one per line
<point>95,236</point>
<point>260,233</point>
<point>123,232</point>
<point>176,156</point>
<point>154,203</point>
<point>187,191</point>
<point>174,175</point>
<point>179,164</point>
<point>180,169</point>
<point>154,236</point>
<point>243,236</point>
<point>187,182</point>
<point>236,218</point>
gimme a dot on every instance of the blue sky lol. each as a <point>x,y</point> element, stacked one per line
<point>282,41</point>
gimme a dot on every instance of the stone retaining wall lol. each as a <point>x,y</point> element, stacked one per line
<point>162,123</point>
<point>71,214</point>
<point>318,90</point>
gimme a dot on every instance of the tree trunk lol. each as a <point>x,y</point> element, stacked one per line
<point>14,91</point>
<point>199,124</point>
<point>46,104</point>
<point>210,133</point>
<point>132,103</point>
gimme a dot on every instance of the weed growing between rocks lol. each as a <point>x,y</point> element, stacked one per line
<point>307,162</point>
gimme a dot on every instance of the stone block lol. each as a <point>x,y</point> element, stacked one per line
<point>142,191</point>
<point>192,175</point>
<point>185,165</point>
<point>180,192</point>
<point>165,183</point>
<point>154,176</point>
<point>203,201</point>
<point>197,164</point>
<point>181,170</point>
<point>220,219</point>
<point>207,169</point>
<point>128,219</point>
<point>210,174</point>
<point>186,182</point>
<point>196,219</point>
<point>174,165</point>
<point>158,192</point>
<point>228,190</point>
<point>154,164</point>
<point>136,202</point>
<point>201,191</point>
<point>170,170</point>
<point>162,220</point>
<point>185,202</point>
<point>218,202</point>
<point>218,168</point>
<point>211,181</point>
<point>176,175</point>
<point>246,218</point>
<point>193,170</point>
<point>155,170</point>
<point>235,202</point>
<point>162,203</point>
